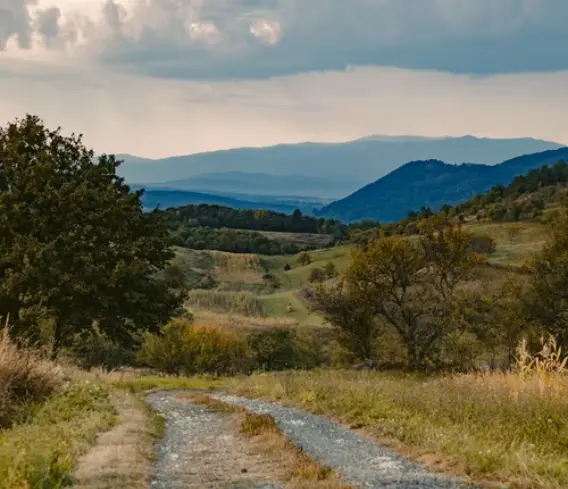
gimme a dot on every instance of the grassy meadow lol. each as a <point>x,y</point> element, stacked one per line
<point>500,428</point>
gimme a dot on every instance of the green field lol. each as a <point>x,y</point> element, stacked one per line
<point>247,290</point>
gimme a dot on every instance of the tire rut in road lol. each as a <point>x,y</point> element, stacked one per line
<point>203,450</point>
<point>360,461</point>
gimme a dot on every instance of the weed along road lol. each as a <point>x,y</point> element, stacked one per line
<point>204,448</point>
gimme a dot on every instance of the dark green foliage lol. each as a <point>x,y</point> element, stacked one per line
<point>74,242</point>
<point>231,240</point>
<point>97,350</point>
<point>482,244</point>
<point>433,184</point>
<point>304,258</point>
<point>317,275</point>
<point>502,203</point>
<point>330,270</point>
<point>217,217</point>
<point>287,267</point>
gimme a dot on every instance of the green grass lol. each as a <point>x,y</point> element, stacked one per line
<point>498,427</point>
<point>298,275</point>
<point>275,305</point>
<point>42,453</point>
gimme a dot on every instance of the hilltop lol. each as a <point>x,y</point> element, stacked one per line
<point>431,183</point>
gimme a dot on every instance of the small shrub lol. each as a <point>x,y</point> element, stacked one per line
<point>287,267</point>
<point>304,258</point>
<point>330,270</point>
<point>317,275</point>
<point>97,350</point>
<point>183,348</point>
<point>481,243</point>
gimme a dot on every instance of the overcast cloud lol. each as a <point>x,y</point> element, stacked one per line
<point>159,77</point>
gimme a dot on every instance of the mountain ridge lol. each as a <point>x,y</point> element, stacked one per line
<point>346,167</point>
<point>431,183</point>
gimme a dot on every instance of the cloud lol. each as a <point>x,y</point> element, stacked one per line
<point>220,39</point>
<point>160,117</point>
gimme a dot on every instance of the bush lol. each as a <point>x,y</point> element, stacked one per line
<point>97,350</point>
<point>25,377</point>
<point>183,348</point>
<point>481,243</point>
<point>330,270</point>
<point>287,267</point>
<point>304,258</point>
<point>285,348</point>
<point>317,275</point>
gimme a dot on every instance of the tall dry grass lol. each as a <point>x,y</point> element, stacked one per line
<point>243,303</point>
<point>503,426</point>
<point>25,377</point>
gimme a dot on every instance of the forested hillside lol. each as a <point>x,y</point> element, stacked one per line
<point>431,184</point>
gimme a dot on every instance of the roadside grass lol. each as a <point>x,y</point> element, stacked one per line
<point>302,472</point>
<point>26,377</point>
<point>42,452</point>
<point>499,427</point>
<point>137,382</point>
<point>124,456</point>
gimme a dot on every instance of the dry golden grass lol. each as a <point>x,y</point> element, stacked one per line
<point>122,457</point>
<point>241,268</point>
<point>25,377</point>
<point>238,322</point>
<point>499,427</point>
<point>302,472</point>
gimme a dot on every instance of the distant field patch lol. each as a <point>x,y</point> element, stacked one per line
<point>516,241</point>
<point>303,240</point>
<point>243,303</point>
<point>237,268</point>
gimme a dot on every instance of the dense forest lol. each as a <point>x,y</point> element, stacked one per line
<point>525,198</point>
<point>217,217</point>
<point>231,240</point>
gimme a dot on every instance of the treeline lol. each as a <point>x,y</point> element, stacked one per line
<point>231,240</point>
<point>217,217</point>
<point>524,199</point>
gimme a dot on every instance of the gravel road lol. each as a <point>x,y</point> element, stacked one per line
<point>360,461</point>
<point>203,450</point>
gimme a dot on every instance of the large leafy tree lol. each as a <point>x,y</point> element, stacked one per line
<point>546,299</point>
<point>410,286</point>
<point>74,242</point>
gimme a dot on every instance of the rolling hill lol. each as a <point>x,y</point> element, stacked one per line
<point>431,183</point>
<point>329,170</point>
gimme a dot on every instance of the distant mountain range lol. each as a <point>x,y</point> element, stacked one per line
<point>431,183</point>
<point>323,170</point>
<point>166,198</point>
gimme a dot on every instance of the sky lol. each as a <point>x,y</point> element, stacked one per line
<point>157,78</point>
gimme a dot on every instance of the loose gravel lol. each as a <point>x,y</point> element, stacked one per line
<point>203,450</point>
<point>360,461</point>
